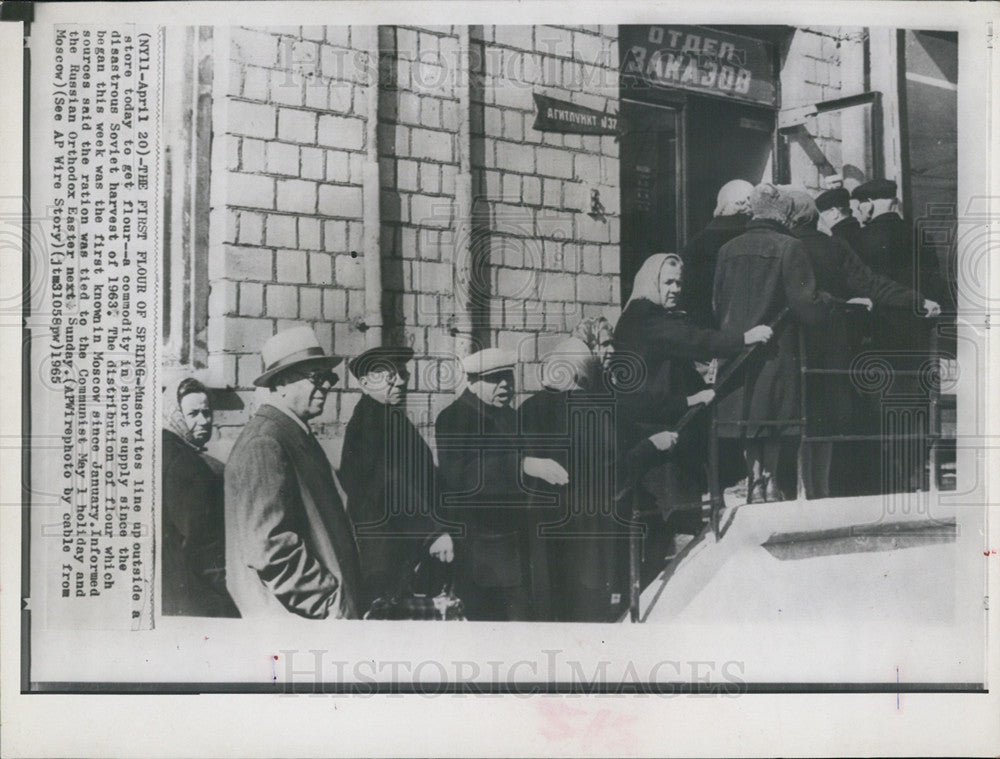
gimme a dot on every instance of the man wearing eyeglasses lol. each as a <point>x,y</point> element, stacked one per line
<point>388,473</point>
<point>289,540</point>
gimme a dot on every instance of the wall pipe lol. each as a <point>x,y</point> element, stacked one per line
<point>371,201</point>
<point>462,324</point>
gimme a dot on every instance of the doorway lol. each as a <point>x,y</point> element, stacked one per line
<point>674,159</point>
<point>651,185</point>
<point>727,141</point>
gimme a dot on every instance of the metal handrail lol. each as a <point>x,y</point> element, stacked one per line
<point>715,495</point>
<point>728,372</point>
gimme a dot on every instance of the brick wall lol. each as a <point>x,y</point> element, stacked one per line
<point>292,133</point>
<point>293,140</point>
<point>550,263</point>
<point>817,67</point>
<point>419,162</point>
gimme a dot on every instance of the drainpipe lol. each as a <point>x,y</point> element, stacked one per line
<point>461,326</point>
<point>370,195</point>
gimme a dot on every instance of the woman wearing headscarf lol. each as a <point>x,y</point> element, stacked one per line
<point>579,532</point>
<point>841,273</point>
<point>597,333</point>
<point>656,336</point>
<point>759,274</point>
<point>194,565</point>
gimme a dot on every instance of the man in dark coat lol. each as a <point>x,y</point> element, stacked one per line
<point>289,540</point>
<point>886,246</point>
<point>834,207</point>
<point>702,251</point>
<point>481,462</point>
<point>829,397</point>
<point>388,473</point>
<point>759,274</point>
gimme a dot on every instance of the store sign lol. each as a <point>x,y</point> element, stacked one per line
<point>699,59</point>
<point>562,116</point>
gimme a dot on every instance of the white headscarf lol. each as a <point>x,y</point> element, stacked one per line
<point>570,366</point>
<point>733,198</point>
<point>646,285</point>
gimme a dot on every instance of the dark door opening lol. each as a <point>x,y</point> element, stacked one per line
<point>650,185</point>
<point>726,141</point>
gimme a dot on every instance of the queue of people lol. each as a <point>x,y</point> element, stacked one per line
<point>519,514</point>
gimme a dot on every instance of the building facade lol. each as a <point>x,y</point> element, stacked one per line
<point>457,187</point>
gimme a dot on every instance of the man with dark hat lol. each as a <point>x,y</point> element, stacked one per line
<point>886,241</point>
<point>388,473</point>
<point>834,208</point>
<point>886,246</point>
<point>481,466</point>
<point>289,540</point>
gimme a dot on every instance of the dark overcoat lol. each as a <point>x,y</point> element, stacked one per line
<point>848,230</point>
<point>665,344</point>
<point>760,273</point>
<point>700,256</point>
<point>480,456</point>
<point>886,246</point>
<point>194,538</point>
<point>289,540</point>
<point>388,473</point>
<point>840,272</point>
<point>582,530</point>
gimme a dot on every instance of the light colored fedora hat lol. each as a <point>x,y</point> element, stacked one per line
<point>297,345</point>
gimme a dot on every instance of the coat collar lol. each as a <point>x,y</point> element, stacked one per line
<point>284,419</point>
<point>734,222</point>
<point>849,221</point>
<point>804,232</point>
<point>767,225</point>
<point>889,217</point>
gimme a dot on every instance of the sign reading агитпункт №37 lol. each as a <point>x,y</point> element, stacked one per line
<point>562,116</point>
<point>699,59</point>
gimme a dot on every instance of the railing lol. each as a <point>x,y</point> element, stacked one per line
<point>717,505</point>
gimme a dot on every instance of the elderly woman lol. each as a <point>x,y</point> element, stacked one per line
<point>581,537</point>
<point>597,333</point>
<point>841,273</point>
<point>194,565</point>
<point>656,335</point>
<point>759,274</point>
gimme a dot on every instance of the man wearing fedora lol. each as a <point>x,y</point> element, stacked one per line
<point>388,473</point>
<point>478,443</point>
<point>289,540</point>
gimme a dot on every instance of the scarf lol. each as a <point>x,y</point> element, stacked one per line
<point>173,417</point>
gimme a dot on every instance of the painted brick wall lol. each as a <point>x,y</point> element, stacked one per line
<point>550,262</point>
<point>419,163</point>
<point>293,139</point>
<point>816,68</point>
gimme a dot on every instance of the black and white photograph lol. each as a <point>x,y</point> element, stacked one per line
<point>446,352</point>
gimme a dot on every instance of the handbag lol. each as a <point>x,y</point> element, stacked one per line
<point>426,591</point>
